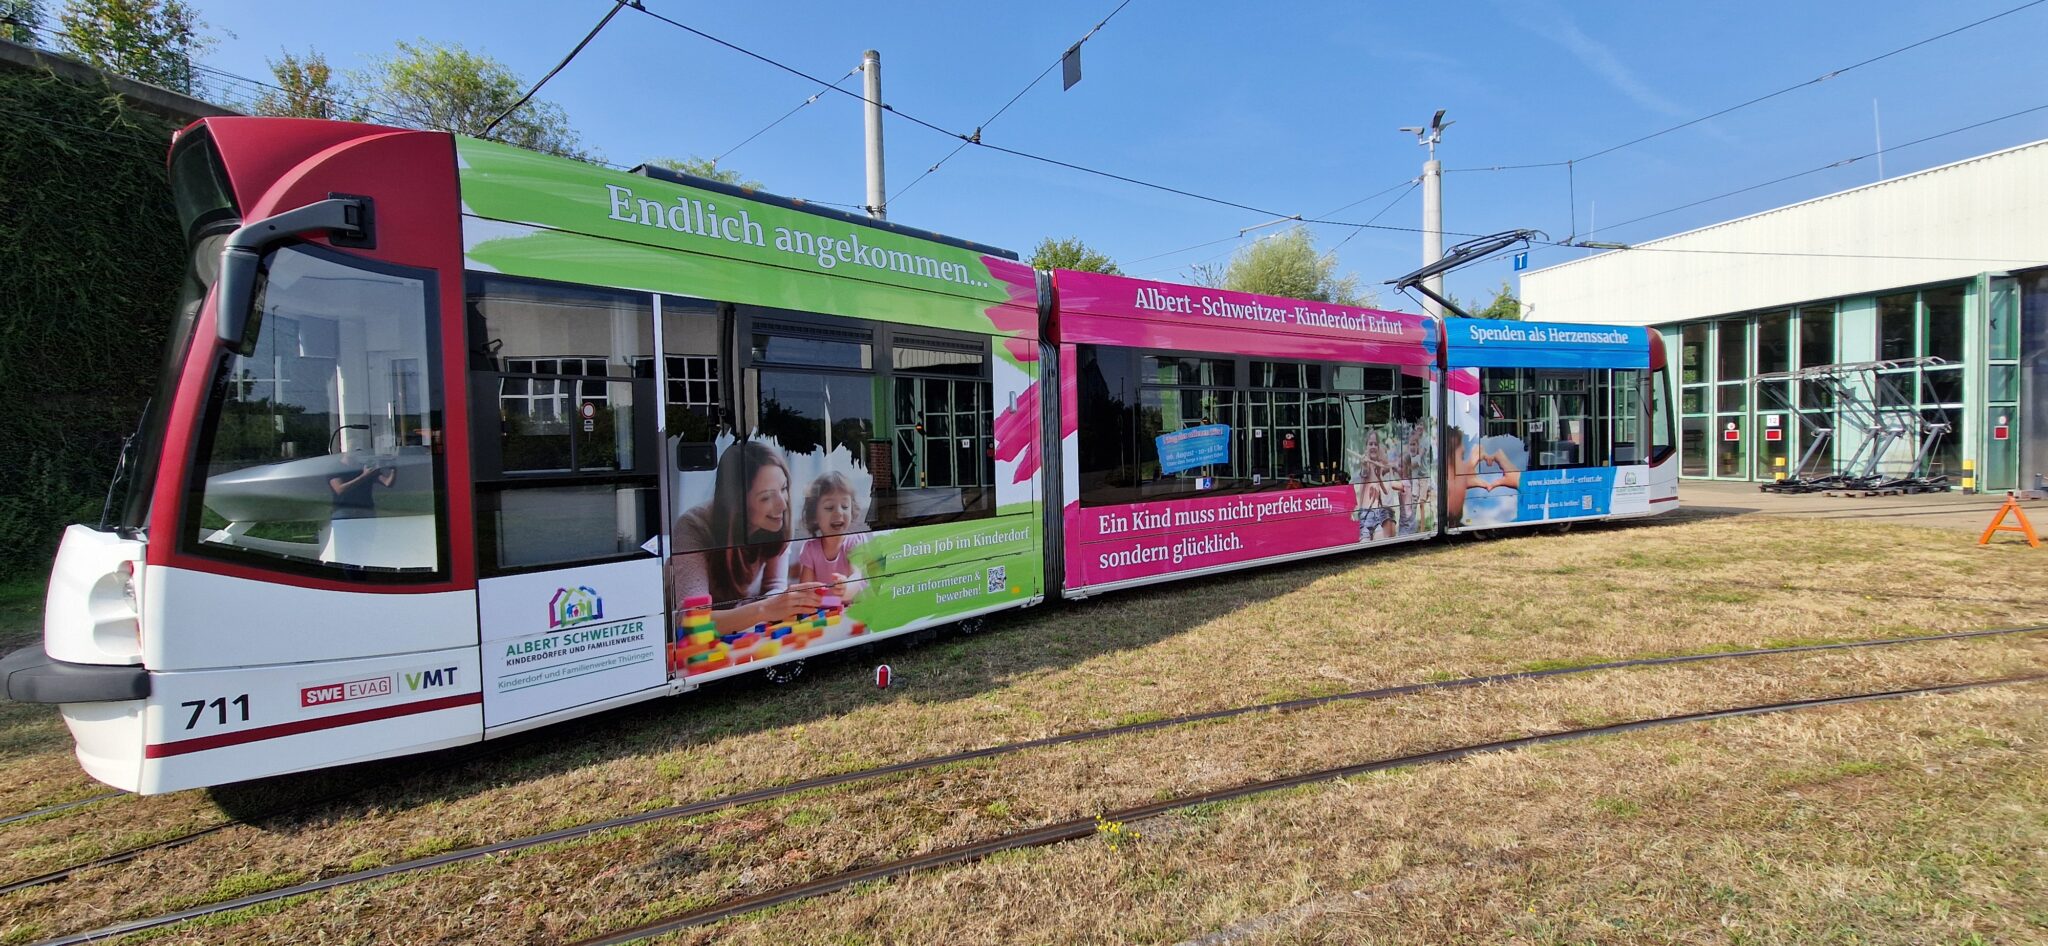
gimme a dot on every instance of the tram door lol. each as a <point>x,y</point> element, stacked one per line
<point>565,395</point>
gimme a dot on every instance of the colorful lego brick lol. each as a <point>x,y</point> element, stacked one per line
<point>780,631</point>
<point>830,602</point>
<point>705,636</point>
<point>859,629</point>
<point>768,649</point>
<point>697,601</point>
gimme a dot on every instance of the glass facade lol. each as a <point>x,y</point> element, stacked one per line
<point>1949,353</point>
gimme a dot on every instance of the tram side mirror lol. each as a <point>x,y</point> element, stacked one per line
<point>348,220</point>
<point>693,457</point>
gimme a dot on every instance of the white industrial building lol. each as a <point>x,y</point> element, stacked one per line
<point>1950,263</point>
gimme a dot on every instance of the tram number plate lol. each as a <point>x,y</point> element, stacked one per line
<point>219,705</point>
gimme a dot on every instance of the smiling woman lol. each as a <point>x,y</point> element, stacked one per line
<point>734,548</point>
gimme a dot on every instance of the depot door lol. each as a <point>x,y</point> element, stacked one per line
<point>567,463</point>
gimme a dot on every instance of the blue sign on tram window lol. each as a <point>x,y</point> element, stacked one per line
<point>1191,447</point>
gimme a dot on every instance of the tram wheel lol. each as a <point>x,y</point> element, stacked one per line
<point>784,674</point>
<point>972,626</point>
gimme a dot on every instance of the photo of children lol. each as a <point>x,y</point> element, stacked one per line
<point>1391,469</point>
<point>834,517</point>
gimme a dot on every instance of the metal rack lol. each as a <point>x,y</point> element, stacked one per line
<point>1884,419</point>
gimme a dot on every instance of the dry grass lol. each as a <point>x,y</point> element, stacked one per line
<point>1315,628</point>
<point>1908,823</point>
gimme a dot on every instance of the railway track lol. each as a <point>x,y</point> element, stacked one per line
<point>60,806</point>
<point>1085,827</point>
<point>754,796</point>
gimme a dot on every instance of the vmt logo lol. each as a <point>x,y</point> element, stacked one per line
<point>429,679</point>
<point>572,606</point>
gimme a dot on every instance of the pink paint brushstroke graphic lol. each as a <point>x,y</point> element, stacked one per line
<point>1017,318</point>
<point>1017,435</point>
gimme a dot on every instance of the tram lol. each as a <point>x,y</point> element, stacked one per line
<point>454,440</point>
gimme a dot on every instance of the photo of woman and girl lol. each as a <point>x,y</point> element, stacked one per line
<point>741,548</point>
<point>1392,488</point>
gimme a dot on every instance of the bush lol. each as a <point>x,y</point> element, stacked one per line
<point>90,260</point>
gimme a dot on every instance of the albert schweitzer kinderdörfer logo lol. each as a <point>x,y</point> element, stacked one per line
<point>572,606</point>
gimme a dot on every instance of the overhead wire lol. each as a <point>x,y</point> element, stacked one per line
<point>1028,86</point>
<point>1845,162</point>
<point>1758,99</point>
<point>1014,152</point>
<point>585,41</point>
<point>815,96</point>
<point>1814,81</point>
<point>1412,185</point>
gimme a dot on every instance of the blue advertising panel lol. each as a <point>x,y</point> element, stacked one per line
<point>1191,447</point>
<point>1493,343</point>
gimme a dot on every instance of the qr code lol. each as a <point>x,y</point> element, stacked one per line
<point>998,579</point>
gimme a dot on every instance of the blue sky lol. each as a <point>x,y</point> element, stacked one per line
<point>1286,106</point>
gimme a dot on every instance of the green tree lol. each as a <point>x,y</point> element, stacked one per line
<point>444,87</point>
<point>1503,306</point>
<point>1287,264</point>
<point>306,88</point>
<point>1071,253</point>
<point>708,169</point>
<point>153,41</point>
<point>21,20</point>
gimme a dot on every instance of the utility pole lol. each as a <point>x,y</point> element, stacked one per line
<point>871,71</point>
<point>1432,208</point>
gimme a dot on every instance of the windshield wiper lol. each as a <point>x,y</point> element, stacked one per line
<point>121,466</point>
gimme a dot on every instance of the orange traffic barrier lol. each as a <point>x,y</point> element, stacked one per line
<point>2012,506</point>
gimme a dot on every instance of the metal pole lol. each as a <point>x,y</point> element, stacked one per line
<point>1432,228</point>
<point>871,70</point>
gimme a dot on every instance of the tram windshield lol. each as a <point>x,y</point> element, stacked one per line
<point>318,445</point>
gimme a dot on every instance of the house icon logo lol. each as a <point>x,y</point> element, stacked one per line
<point>572,606</point>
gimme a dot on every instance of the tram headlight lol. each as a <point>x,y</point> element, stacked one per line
<point>126,571</point>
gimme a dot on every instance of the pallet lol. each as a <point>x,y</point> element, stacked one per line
<point>1886,491</point>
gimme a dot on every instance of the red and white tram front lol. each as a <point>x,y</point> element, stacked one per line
<point>289,585</point>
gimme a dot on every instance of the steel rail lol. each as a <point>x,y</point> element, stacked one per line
<point>757,795</point>
<point>1084,827</point>
<point>61,806</point>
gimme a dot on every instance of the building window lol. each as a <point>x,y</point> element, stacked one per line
<point>1774,341</point>
<point>1692,348</point>
<point>1942,323</point>
<point>1895,326</point>
<point>552,399</point>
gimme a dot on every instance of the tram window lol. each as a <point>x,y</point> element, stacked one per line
<point>566,464</point>
<point>813,412</point>
<point>1624,422</point>
<point>1106,444</point>
<point>1292,423</point>
<point>1548,414</point>
<point>318,446</point>
<point>530,526</point>
<point>1171,369</point>
<point>821,348</point>
<point>1660,416</point>
<point>941,460</point>
<point>697,404</point>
